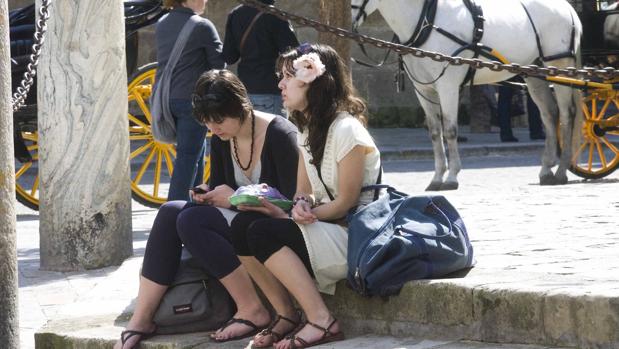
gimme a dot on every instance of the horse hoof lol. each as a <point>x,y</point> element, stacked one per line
<point>449,186</point>
<point>434,186</point>
<point>547,179</point>
<point>561,180</point>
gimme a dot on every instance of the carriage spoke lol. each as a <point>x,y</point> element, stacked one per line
<point>601,154</point>
<point>594,108</point>
<point>35,186</point>
<point>590,161</point>
<point>140,137</point>
<point>138,122</point>
<point>143,107</point>
<point>140,150</point>
<point>610,145</point>
<point>603,111</point>
<point>144,167</point>
<point>23,169</point>
<point>168,161</point>
<point>585,110</point>
<point>157,174</point>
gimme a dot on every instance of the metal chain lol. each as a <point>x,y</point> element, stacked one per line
<point>19,97</point>
<point>514,68</point>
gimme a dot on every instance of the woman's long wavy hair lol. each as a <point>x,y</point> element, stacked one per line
<point>330,93</point>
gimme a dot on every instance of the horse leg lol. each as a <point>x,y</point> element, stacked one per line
<point>433,121</point>
<point>567,109</point>
<point>544,99</point>
<point>449,107</point>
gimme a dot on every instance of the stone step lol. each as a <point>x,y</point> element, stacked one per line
<point>103,331</point>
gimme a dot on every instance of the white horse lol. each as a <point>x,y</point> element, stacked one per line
<point>509,30</point>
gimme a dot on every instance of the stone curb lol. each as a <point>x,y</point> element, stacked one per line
<point>425,153</point>
<point>447,309</point>
<point>500,313</point>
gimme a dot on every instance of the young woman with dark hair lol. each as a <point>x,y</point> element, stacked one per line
<point>248,147</point>
<point>307,253</point>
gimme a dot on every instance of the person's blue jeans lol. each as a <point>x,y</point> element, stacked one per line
<point>190,147</point>
<point>268,103</point>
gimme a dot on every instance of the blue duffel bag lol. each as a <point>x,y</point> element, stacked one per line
<point>398,238</point>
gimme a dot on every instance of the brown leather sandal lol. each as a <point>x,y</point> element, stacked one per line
<point>327,337</point>
<point>276,335</point>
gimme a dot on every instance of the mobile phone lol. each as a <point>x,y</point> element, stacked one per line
<point>198,190</point>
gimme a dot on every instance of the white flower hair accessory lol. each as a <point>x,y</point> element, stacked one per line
<point>308,67</point>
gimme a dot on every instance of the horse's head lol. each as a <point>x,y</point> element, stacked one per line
<point>360,9</point>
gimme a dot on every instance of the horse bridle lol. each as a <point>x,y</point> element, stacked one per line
<point>360,14</point>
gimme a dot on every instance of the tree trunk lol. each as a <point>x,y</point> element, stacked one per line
<point>9,315</point>
<point>336,13</point>
<point>85,197</point>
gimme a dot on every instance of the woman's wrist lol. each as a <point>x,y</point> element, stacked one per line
<point>307,199</point>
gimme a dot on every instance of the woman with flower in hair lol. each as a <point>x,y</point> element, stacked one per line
<point>248,147</point>
<point>307,252</point>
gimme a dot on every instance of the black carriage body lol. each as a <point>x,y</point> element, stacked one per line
<point>138,14</point>
<point>600,41</point>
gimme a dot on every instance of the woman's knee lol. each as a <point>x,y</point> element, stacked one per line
<point>239,230</point>
<point>262,244</point>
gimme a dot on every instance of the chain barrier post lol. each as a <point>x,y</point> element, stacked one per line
<point>9,314</point>
<point>19,97</point>
<point>529,70</point>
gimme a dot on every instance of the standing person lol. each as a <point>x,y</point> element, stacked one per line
<point>201,53</point>
<point>255,40</point>
<point>504,111</point>
<point>248,147</point>
<point>336,148</point>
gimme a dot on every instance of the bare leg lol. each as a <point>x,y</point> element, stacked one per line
<point>149,297</point>
<point>288,268</point>
<point>248,303</point>
<point>277,295</point>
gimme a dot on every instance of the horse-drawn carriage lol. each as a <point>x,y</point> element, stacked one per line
<point>151,162</point>
<point>508,36</point>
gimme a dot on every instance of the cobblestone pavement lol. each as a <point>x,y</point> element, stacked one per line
<point>553,238</point>
<point>544,239</point>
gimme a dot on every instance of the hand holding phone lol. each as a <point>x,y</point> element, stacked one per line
<point>198,190</point>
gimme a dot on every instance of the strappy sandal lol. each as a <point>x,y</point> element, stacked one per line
<point>126,334</point>
<point>327,337</point>
<point>276,336</point>
<point>255,329</point>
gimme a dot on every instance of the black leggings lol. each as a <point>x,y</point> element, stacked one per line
<point>256,235</point>
<point>202,229</point>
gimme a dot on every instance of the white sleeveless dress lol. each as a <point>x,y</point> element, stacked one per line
<point>327,243</point>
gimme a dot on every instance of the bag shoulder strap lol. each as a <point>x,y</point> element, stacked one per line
<point>246,33</point>
<point>180,43</point>
<point>376,187</point>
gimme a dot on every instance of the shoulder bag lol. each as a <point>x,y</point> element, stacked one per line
<point>163,123</point>
<point>194,302</point>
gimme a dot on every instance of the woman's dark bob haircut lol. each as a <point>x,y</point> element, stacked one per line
<point>219,94</point>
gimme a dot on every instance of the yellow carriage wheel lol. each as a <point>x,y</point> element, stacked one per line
<point>27,174</point>
<point>598,154</point>
<point>152,163</point>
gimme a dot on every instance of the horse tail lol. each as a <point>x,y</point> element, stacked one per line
<point>579,119</point>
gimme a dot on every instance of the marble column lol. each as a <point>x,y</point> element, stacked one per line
<point>9,315</point>
<point>85,195</point>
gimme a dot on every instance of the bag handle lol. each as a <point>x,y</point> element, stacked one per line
<point>246,33</point>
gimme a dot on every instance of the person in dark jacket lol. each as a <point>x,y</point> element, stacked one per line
<point>201,53</point>
<point>248,147</point>
<point>264,41</point>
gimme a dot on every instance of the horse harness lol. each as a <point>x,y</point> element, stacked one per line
<point>426,25</point>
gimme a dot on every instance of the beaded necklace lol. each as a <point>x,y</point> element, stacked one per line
<point>251,151</point>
